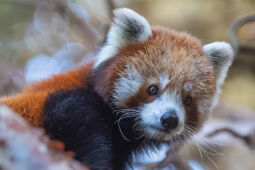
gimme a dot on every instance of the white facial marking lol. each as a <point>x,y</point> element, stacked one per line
<point>126,21</point>
<point>127,85</point>
<point>152,112</point>
<point>188,86</point>
<point>164,80</point>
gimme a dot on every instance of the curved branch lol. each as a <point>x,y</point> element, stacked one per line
<point>237,24</point>
<point>232,132</point>
<point>249,139</point>
<point>111,7</point>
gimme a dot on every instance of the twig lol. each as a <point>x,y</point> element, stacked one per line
<point>111,7</point>
<point>237,24</point>
<point>84,26</point>
<point>249,139</point>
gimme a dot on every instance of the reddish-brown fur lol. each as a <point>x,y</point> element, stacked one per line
<point>30,102</point>
<point>178,54</point>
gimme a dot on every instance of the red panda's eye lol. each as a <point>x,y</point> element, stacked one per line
<point>152,90</point>
<point>188,101</point>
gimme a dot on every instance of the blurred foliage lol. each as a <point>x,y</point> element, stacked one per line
<point>14,19</point>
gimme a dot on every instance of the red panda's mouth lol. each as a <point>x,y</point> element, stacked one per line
<point>160,129</point>
<point>162,134</point>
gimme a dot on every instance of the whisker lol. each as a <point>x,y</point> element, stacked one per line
<point>206,144</point>
<point>209,159</point>
<point>203,145</point>
<point>124,137</point>
<point>197,123</point>
<point>127,113</point>
<point>199,150</point>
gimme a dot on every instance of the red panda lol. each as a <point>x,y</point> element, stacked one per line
<point>147,86</point>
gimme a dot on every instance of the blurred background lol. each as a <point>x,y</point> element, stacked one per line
<point>39,38</point>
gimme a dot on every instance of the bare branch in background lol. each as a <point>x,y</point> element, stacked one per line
<point>111,7</point>
<point>88,33</point>
<point>86,29</point>
<point>63,21</point>
<point>237,24</point>
<point>248,139</point>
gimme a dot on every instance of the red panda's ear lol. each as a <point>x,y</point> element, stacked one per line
<point>128,27</point>
<point>221,56</point>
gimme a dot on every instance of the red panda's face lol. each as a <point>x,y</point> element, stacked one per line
<point>167,81</point>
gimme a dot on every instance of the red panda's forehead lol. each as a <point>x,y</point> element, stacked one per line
<point>169,59</point>
<point>178,55</point>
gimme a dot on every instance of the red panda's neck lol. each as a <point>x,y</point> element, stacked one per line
<point>105,76</point>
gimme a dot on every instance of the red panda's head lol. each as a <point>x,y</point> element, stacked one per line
<point>167,80</point>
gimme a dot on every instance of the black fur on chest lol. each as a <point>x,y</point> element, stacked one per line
<point>89,128</point>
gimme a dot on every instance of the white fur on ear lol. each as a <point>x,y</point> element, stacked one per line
<point>221,55</point>
<point>127,27</point>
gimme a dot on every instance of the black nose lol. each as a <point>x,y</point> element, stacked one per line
<point>169,120</point>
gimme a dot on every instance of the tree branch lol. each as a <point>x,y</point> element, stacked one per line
<point>237,24</point>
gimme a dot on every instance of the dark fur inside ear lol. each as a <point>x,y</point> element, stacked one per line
<point>221,56</point>
<point>217,60</point>
<point>127,27</point>
<point>130,29</point>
